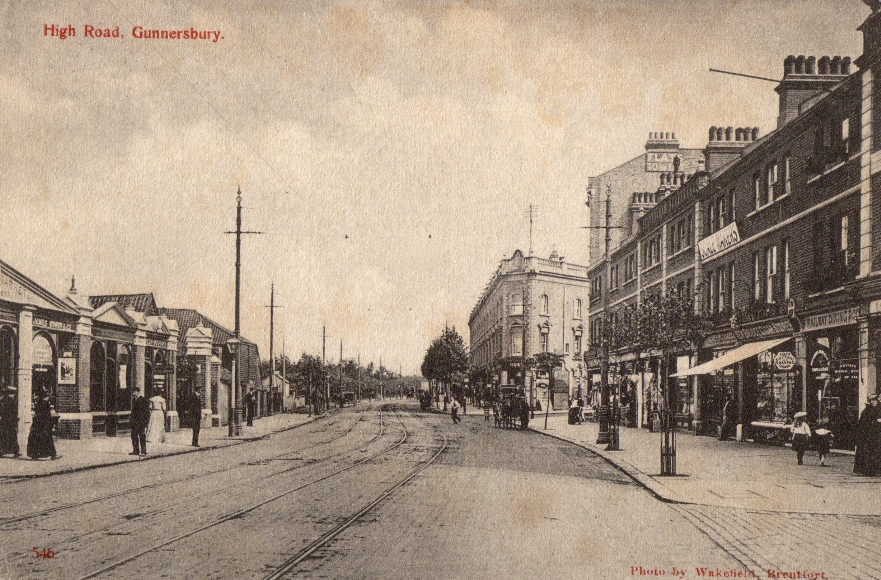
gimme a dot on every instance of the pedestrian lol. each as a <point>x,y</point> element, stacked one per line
<point>524,413</point>
<point>9,423</point>
<point>156,425</point>
<point>867,439</point>
<point>486,412</point>
<point>801,435</point>
<point>823,442</point>
<point>40,442</point>
<point>140,418</point>
<point>725,425</point>
<point>249,408</point>
<point>194,407</point>
<point>454,411</point>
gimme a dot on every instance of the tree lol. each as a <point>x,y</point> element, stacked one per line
<point>446,357</point>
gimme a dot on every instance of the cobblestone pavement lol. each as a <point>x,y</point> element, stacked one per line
<point>755,502</point>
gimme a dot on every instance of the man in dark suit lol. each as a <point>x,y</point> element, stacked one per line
<point>9,423</point>
<point>140,418</point>
<point>194,407</point>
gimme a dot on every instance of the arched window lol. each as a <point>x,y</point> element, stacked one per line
<point>545,304</point>
<point>8,356</point>
<point>44,379</point>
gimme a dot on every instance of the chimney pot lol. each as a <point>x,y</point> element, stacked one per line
<point>800,64</point>
<point>823,66</point>
<point>789,65</point>
<point>845,65</point>
<point>810,65</point>
<point>755,133</point>
<point>728,131</point>
<point>713,133</point>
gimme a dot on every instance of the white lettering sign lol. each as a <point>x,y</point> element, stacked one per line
<point>831,319</point>
<point>718,241</point>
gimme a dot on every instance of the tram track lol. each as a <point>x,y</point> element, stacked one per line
<point>327,537</point>
<point>239,513</point>
<point>5,522</point>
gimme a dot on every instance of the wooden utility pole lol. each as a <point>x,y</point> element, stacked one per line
<point>323,364</point>
<point>341,371</point>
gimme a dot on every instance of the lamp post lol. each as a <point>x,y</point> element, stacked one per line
<point>233,346</point>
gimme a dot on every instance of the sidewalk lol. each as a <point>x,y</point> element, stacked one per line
<point>731,474</point>
<point>75,455</point>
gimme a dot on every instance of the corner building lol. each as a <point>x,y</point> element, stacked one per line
<point>531,305</point>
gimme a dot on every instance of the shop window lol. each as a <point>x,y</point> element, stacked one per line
<point>44,376</point>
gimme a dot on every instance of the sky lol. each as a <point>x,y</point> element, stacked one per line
<point>388,151</point>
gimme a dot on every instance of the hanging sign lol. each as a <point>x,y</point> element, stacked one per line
<point>784,360</point>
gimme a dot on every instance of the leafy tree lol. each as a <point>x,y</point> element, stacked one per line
<point>445,357</point>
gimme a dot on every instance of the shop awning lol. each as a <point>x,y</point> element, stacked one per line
<point>732,356</point>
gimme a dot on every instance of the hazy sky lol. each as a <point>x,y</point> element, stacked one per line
<point>389,150</point>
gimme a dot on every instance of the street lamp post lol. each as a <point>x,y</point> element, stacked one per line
<point>233,346</point>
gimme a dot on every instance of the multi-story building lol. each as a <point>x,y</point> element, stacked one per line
<point>774,239</point>
<point>531,305</point>
<point>663,155</point>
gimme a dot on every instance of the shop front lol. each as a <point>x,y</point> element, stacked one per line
<point>833,375</point>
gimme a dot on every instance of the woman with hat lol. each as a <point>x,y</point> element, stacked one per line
<point>801,435</point>
<point>156,426</point>
<point>40,442</point>
<point>867,432</point>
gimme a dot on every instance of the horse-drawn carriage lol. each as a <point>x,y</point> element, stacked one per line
<point>510,407</point>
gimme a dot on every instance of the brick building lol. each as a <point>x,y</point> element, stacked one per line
<point>531,305</point>
<point>774,239</point>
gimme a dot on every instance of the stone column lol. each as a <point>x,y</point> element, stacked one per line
<point>25,373</point>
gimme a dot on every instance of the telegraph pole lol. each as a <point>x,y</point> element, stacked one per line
<point>605,412</point>
<point>235,394</point>
<point>272,308</point>
<point>341,371</point>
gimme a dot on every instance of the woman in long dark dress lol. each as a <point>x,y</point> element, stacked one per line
<point>40,442</point>
<point>864,459</point>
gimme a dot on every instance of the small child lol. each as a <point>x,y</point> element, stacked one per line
<point>824,442</point>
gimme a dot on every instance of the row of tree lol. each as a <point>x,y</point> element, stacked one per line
<point>309,374</point>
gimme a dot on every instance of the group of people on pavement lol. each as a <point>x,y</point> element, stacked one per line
<point>41,441</point>
<point>148,419</point>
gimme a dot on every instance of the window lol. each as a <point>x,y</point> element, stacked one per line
<point>596,288</point>
<point>787,176</point>
<point>723,211</point>
<point>545,304</point>
<point>613,278</point>
<point>842,240</point>
<point>577,344</point>
<point>711,218</point>
<point>771,184</point>
<point>845,136</point>
<point>757,190</point>
<point>724,289</point>
<point>544,342</point>
<point>714,291</point>
<point>731,200</point>
<point>516,341</point>
<point>578,308</point>
<point>757,278</point>
<point>786,282</point>
<point>770,273</point>
<point>567,348</point>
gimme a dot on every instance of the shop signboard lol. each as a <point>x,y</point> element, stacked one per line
<point>820,365</point>
<point>847,369</point>
<point>718,241</point>
<point>784,360</point>
<point>831,319</point>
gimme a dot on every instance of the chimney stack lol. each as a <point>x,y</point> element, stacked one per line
<point>805,78</point>
<point>726,144</point>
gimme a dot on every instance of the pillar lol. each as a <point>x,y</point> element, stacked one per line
<point>801,359</point>
<point>698,421</point>
<point>139,355</point>
<point>868,348</point>
<point>173,420</point>
<point>77,424</point>
<point>25,373</point>
<point>740,435</point>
